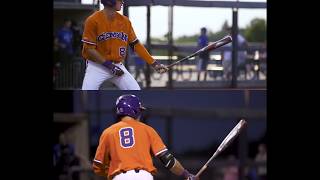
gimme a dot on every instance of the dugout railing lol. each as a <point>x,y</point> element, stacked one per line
<point>69,74</point>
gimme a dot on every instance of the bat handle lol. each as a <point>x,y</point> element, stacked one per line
<point>201,170</point>
<point>169,66</point>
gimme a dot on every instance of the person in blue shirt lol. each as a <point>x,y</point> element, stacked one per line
<point>65,37</point>
<point>139,66</point>
<point>203,57</point>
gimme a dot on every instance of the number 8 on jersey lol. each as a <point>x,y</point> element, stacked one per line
<point>126,137</point>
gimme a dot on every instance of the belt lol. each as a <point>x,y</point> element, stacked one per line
<point>115,62</point>
<point>123,172</point>
<point>135,170</point>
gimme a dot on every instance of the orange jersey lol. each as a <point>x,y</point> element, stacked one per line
<point>110,37</point>
<point>127,145</point>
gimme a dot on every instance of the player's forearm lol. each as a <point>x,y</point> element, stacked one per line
<point>177,168</point>
<point>99,169</point>
<point>171,163</point>
<point>95,56</point>
<point>143,53</point>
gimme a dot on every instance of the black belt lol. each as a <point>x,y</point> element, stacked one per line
<point>115,62</point>
<point>122,171</point>
<point>135,170</point>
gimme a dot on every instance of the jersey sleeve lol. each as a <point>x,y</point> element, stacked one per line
<point>101,159</point>
<point>157,145</point>
<point>138,47</point>
<point>89,36</point>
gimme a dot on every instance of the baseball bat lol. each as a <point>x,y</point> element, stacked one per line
<point>212,46</point>
<point>225,143</point>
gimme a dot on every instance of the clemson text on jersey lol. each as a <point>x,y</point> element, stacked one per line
<point>108,35</point>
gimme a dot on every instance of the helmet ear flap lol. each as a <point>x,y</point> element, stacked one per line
<point>134,111</point>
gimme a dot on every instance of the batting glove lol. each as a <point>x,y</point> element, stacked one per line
<point>160,68</point>
<point>189,176</point>
<point>115,70</point>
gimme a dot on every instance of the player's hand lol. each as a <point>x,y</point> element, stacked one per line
<point>192,177</point>
<point>160,68</point>
<point>189,176</point>
<point>115,70</point>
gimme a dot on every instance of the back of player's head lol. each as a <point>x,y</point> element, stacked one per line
<point>109,3</point>
<point>129,105</point>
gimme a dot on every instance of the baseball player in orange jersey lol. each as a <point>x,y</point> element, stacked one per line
<point>106,37</point>
<point>126,148</point>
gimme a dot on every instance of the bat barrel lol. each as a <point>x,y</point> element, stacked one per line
<point>212,46</point>
<point>227,140</point>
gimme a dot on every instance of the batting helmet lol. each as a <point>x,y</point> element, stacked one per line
<point>108,2</point>
<point>129,105</point>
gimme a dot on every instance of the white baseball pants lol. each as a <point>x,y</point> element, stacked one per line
<point>96,74</point>
<point>132,175</point>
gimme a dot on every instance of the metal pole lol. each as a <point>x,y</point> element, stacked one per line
<point>147,72</point>
<point>170,43</point>
<point>234,47</point>
<point>243,144</point>
<point>98,108</point>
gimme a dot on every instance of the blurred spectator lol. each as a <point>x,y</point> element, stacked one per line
<point>65,160</point>
<point>263,60</point>
<point>65,38</point>
<point>203,57</point>
<point>251,173</point>
<point>56,50</point>
<point>241,60</point>
<point>77,35</point>
<point>231,171</point>
<point>242,56</point>
<point>227,63</point>
<point>56,58</point>
<point>139,68</point>
<point>261,157</point>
